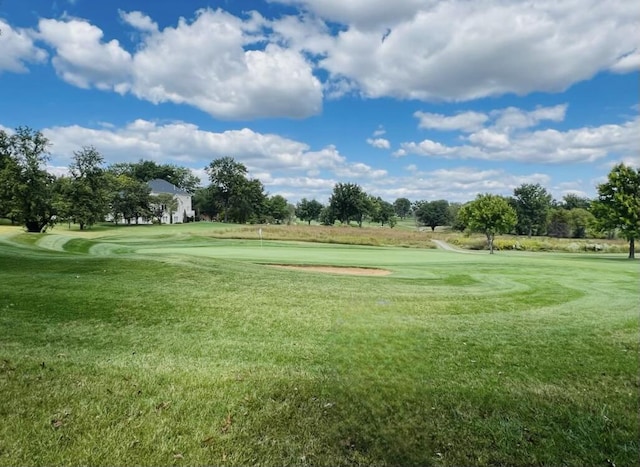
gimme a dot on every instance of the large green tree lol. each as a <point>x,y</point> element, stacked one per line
<point>27,188</point>
<point>489,214</point>
<point>618,204</point>
<point>433,213</point>
<point>228,178</point>
<point>87,194</point>
<point>349,202</point>
<point>532,204</point>
<point>308,210</point>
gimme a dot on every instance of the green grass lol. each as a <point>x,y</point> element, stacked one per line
<point>167,346</point>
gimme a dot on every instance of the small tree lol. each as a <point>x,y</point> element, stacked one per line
<point>382,211</point>
<point>161,203</point>
<point>489,214</point>
<point>308,210</point>
<point>618,204</point>
<point>402,207</point>
<point>433,213</point>
<point>277,208</point>
<point>532,204</point>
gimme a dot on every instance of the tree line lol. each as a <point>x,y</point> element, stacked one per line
<point>91,193</point>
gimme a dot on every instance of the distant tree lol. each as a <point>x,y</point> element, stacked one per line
<point>130,199</point>
<point>248,202</point>
<point>454,219</point>
<point>327,216</point>
<point>489,214</point>
<point>87,193</point>
<point>532,204</point>
<point>402,207</point>
<point>27,193</point>
<point>572,201</point>
<point>229,179</point>
<point>277,208</point>
<point>581,221</point>
<point>145,170</point>
<point>308,210</point>
<point>433,213</point>
<point>382,211</point>
<point>161,203</point>
<point>349,202</point>
<point>559,224</point>
<point>204,202</point>
<point>618,204</point>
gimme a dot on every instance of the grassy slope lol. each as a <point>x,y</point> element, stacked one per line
<point>454,359</point>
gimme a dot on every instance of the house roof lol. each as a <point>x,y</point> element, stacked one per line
<point>162,186</point>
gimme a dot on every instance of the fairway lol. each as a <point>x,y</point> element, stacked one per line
<point>166,346</point>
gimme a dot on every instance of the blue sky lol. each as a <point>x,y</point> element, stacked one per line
<point>423,99</point>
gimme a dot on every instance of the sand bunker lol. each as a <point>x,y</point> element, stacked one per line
<point>335,270</point>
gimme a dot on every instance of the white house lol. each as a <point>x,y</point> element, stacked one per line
<point>158,187</point>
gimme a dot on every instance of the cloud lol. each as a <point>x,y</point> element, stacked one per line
<point>458,184</point>
<point>139,21</point>
<point>217,62</point>
<point>82,58</point>
<point>546,146</point>
<point>379,143</point>
<point>363,13</point>
<point>459,50</point>
<point>465,121</point>
<point>17,48</point>
<point>249,66</point>
<point>627,63</point>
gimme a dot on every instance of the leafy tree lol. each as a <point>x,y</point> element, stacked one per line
<point>308,210</point>
<point>349,202</point>
<point>27,188</point>
<point>248,202</point>
<point>489,214</point>
<point>277,208</point>
<point>433,213</point>
<point>618,204</point>
<point>383,212</point>
<point>204,201</point>
<point>229,179</point>
<point>581,220</point>
<point>327,216</point>
<point>559,223</point>
<point>87,196</point>
<point>402,207</point>
<point>161,203</point>
<point>572,201</point>
<point>145,171</point>
<point>131,199</point>
<point>532,204</point>
<point>8,172</point>
<point>454,218</point>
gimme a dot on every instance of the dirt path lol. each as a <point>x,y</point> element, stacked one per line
<point>446,246</point>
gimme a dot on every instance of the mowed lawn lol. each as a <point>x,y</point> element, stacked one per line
<point>164,346</point>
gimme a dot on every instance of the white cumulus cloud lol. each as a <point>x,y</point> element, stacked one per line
<point>17,47</point>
